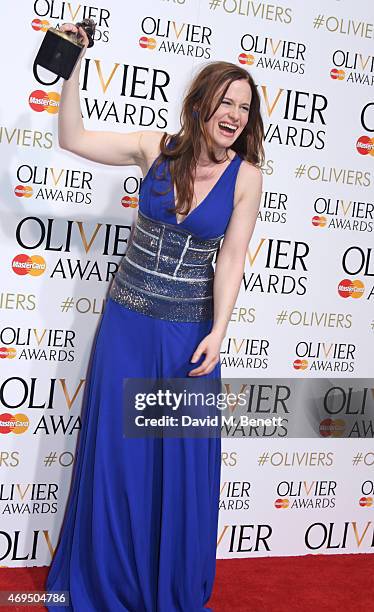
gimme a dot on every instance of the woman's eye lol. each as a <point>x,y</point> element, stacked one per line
<point>246,108</point>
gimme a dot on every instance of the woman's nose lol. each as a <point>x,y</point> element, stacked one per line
<point>234,113</point>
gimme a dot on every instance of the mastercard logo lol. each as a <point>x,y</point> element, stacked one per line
<point>318,221</point>
<point>7,352</point>
<point>300,364</point>
<point>147,43</point>
<point>366,502</point>
<point>348,288</point>
<point>24,264</point>
<point>40,101</point>
<point>129,202</point>
<point>281,503</point>
<point>365,145</point>
<point>337,75</point>
<point>332,428</point>
<point>13,423</point>
<point>23,191</point>
<point>40,25</point>
<point>246,58</point>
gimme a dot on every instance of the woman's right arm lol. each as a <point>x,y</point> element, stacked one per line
<point>132,149</point>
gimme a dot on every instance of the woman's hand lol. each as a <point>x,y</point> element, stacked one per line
<point>70,27</point>
<point>210,346</point>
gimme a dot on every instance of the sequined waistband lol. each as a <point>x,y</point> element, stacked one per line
<point>166,272</point>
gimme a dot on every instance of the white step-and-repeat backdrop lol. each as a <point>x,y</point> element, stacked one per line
<point>305,307</point>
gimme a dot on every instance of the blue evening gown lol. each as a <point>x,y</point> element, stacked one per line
<point>140,528</point>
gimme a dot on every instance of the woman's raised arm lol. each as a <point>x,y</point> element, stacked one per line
<point>113,148</point>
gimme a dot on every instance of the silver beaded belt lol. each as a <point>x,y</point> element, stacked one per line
<point>166,272</point>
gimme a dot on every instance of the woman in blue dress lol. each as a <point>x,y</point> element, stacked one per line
<point>140,528</point>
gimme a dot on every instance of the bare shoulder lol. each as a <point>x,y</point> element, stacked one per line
<point>249,181</point>
<point>249,173</point>
<point>149,144</point>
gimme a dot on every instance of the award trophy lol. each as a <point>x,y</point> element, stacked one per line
<point>59,51</point>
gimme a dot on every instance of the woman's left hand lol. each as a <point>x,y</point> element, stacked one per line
<point>210,346</point>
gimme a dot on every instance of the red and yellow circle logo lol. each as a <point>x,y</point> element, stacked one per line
<point>365,145</point>
<point>129,202</point>
<point>300,364</point>
<point>147,43</point>
<point>13,423</point>
<point>23,191</point>
<point>366,502</point>
<point>337,75</point>
<point>281,503</point>
<point>40,25</point>
<point>25,264</point>
<point>319,221</point>
<point>246,58</point>
<point>40,101</point>
<point>332,428</point>
<point>348,288</point>
<point>7,352</point>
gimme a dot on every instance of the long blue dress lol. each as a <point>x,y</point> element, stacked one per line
<point>140,528</point>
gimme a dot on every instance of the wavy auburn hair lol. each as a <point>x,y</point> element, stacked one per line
<point>186,144</point>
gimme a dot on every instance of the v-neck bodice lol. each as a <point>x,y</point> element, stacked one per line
<point>207,220</point>
<point>207,195</point>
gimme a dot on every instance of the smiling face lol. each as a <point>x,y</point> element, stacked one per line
<point>231,116</point>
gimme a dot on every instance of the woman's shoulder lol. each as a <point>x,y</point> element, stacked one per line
<point>150,147</point>
<point>248,181</point>
<point>248,173</point>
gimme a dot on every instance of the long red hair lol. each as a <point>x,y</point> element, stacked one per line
<point>186,144</point>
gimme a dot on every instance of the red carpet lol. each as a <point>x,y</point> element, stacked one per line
<point>327,583</point>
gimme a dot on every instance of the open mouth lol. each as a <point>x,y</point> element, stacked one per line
<point>227,128</point>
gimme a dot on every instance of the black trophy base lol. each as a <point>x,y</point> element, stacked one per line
<point>58,54</point>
